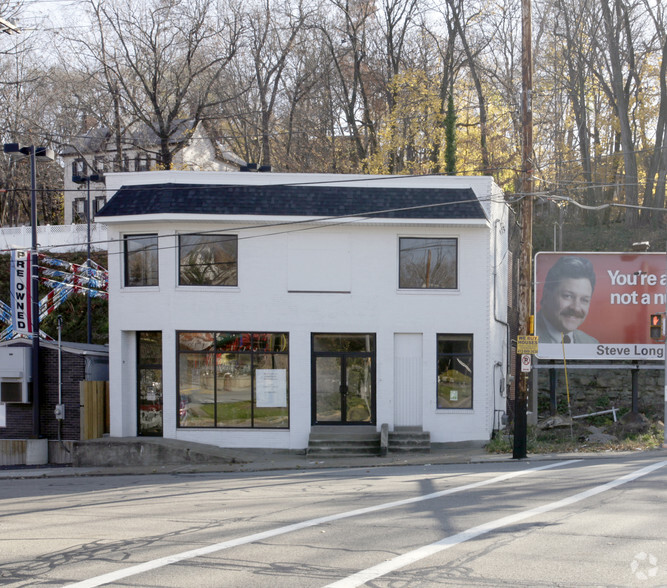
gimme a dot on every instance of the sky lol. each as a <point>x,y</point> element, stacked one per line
<point>44,14</point>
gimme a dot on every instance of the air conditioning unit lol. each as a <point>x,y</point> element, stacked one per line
<point>15,374</point>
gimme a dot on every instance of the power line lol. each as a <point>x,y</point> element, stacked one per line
<point>356,217</point>
<point>319,221</point>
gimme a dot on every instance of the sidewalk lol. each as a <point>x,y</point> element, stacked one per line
<point>258,460</point>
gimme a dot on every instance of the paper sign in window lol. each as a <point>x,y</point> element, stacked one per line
<point>271,388</point>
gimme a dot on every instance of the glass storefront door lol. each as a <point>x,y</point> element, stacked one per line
<point>344,379</point>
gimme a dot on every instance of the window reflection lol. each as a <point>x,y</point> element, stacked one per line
<point>208,260</point>
<point>346,343</point>
<point>196,390</point>
<point>218,381</point>
<point>149,382</point>
<point>141,260</point>
<point>427,263</point>
<point>454,371</point>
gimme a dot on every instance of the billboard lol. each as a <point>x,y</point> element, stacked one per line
<point>598,305</point>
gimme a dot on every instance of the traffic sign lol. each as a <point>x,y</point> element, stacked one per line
<point>526,362</point>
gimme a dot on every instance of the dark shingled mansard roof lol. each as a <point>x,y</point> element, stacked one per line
<point>295,200</point>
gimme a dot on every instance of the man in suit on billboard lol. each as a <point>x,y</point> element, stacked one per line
<point>566,299</point>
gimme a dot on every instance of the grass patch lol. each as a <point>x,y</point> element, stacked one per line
<point>562,440</point>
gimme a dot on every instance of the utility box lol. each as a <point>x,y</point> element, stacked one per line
<point>15,375</point>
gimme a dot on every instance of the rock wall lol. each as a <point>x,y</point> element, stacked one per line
<point>593,390</point>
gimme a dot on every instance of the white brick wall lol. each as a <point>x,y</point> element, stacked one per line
<point>359,295</point>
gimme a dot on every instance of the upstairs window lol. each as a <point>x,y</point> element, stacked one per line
<point>427,263</point>
<point>141,260</point>
<point>142,163</point>
<point>99,164</point>
<point>208,260</point>
<point>98,203</point>
<point>79,210</point>
<point>79,167</point>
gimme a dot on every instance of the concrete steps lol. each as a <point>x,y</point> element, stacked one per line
<point>329,441</point>
<point>409,440</point>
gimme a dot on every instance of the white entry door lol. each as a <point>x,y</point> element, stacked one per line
<point>408,379</point>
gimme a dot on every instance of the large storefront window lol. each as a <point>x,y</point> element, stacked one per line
<point>454,371</point>
<point>233,380</point>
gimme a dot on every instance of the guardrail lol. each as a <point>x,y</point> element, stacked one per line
<point>55,237</point>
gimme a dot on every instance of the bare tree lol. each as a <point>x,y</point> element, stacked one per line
<point>298,88</point>
<point>397,19</point>
<point>165,57</point>
<point>657,169</point>
<point>274,31</point>
<point>618,45</point>
<point>459,19</point>
<point>450,61</point>
<point>22,107</point>
<point>345,31</point>
<point>571,83</point>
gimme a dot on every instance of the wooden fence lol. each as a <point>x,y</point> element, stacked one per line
<point>94,409</point>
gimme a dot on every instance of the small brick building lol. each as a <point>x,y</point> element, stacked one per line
<point>79,362</point>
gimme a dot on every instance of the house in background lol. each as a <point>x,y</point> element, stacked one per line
<point>95,154</point>
<point>254,309</point>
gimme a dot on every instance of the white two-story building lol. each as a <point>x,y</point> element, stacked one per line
<point>248,309</point>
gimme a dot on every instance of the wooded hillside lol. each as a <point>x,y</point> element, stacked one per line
<point>392,86</point>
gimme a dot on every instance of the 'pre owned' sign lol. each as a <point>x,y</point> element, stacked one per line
<point>21,292</point>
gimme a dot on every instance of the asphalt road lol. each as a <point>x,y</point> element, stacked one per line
<point>561,523</point>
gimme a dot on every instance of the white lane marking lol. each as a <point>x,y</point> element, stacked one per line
<point>360,578</point>
<point>178,557</point>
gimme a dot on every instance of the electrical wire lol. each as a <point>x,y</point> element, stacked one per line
<point>356,217</point>
<point>320,222</point>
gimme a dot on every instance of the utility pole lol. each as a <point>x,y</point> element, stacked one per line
<point>86,179</point>
<point>34,292</point>
<point>526,218</point>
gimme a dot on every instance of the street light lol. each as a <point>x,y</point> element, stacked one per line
<point>44,154</point>
<point>77,179</point>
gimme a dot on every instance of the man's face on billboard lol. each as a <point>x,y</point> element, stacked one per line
<point>566,305</point>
